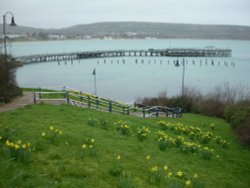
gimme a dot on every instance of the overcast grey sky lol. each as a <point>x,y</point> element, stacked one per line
<point>64,13</point>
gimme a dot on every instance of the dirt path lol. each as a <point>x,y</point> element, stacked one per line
<point>19,102</point>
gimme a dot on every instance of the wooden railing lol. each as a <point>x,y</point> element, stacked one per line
<point>84,100</point>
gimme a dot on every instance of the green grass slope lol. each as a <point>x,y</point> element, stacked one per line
<point>65,146</point>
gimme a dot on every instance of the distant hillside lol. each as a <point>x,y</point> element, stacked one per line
<point>141,30</point>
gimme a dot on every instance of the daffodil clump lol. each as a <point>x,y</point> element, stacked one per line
<point>164,141</point>
<point>53,134</point>
<point>194,133</point>
<point>162,174</point>
<point>155,175</point>
<point>190,147</point>
<point>143,133</point>
<point>164,125</point>
<point>117,167</point>
<point>19,151</point>
<point>207,153</point>
<point>179,141</point>
<point>123,127</point>
<point>221,141</point>
<point>88,147</point>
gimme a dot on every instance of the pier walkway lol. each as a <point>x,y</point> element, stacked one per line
<point>168,52</point>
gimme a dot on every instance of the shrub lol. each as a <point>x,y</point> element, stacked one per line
<point>237,114</point>
<point>244,132</point>
<point>8,85</point>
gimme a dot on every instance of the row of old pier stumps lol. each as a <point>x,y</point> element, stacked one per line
<point>176,62</point>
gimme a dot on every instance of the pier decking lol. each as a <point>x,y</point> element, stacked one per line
<point>168,52</point>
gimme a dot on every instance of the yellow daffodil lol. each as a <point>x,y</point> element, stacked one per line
<point>154,169</point>
<point>7,143</point>
<point>43,134</point>
<point>91,146</point>
<point>51,128</point>
<point>118,157</point>
<point>60,132</point>
<point>84,146</point>
<point>165,167</point>
<point>12,144</point>
<point>195,176</point>
<point>0,138</point>
<point>17,146</point>
<point>179,174</point>
<point>170,174</point>
<point>92,140</point>
<point>188,183</point>
<point>24,146</point>
<point>148,157</point>
<point>19,142</point>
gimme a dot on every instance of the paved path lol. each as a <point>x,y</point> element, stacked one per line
<point>19,102</point>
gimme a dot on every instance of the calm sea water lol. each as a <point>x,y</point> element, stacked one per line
<point>127,81</point>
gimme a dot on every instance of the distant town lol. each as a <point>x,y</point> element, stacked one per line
<point>130,30</point>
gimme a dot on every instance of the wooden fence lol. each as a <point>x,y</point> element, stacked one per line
<point>94,102</point>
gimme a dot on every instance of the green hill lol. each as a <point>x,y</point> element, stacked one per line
<point>65,146</point>
<point>139,30</point>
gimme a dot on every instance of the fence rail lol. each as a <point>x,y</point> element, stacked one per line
<point>94,102</point>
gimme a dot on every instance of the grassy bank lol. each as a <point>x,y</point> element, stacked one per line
<point>73,147</point>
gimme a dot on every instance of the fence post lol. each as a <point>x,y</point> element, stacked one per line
<point>97,102</point>
<point>157,112</point>
<point>166,113</point>
<point>67,97</point>
<point>110,106</point>
<point>143,111</point>
<point>89,104</point>
<point>134,106</point>
<point>128,110</point>
<point>40,96</point>
<point>34,97</point>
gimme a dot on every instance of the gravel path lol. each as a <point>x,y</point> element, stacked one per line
<point>19,102</point>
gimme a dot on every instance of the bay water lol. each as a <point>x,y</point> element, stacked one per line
<point>127,78</point>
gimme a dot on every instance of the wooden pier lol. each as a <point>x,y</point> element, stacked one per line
<point>168,52</point>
